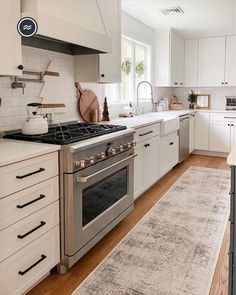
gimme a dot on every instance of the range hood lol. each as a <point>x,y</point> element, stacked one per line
<point>60,33</point>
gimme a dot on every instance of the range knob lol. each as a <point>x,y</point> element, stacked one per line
<point>91,160</point>
<point>80,164</point>
<point>87,161</point>
<point>100,156</point>
<point>111,151</point>
<point>121,148</point>
<point>129,145</point>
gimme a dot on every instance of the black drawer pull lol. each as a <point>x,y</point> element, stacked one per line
<point>149,132</point>
<point>42,223</point>
<point>171,143</point>
<point>29,174</point>
<point>31,202</point>
<point>147,144</point>
<point>32,266</point>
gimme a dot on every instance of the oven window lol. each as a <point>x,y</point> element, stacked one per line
<point>102,195</point>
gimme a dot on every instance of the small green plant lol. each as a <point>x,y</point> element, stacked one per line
<point>192,97</point>
<point>140,68</point>
<point>126,66</point>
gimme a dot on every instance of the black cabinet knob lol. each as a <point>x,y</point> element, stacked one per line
<point>226,83</point>
<point>222,83</point>
<point>176,83</point>
<point>20,67</point>
<point>103,75</point>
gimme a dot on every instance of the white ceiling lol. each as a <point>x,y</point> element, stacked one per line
<point>200,18</point>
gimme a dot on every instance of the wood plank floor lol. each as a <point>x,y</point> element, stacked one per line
<point>65,284</point>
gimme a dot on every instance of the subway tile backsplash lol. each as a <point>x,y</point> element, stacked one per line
<point>13,108</point>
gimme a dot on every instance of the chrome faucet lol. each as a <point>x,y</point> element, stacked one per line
<point>137,109</point>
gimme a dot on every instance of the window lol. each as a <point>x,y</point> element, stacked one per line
<point>135,67</point>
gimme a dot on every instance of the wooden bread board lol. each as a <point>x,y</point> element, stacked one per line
<point>176,106</point>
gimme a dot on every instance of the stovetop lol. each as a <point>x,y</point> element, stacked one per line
<point>67,133</point>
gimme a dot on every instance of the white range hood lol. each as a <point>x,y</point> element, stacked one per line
<point>69,26</point>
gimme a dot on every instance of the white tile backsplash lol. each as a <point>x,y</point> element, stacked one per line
<point>217,95</point>
<point>13,108</point>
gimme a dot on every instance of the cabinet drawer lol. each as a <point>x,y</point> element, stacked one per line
<point>147,132</point>
<point>21,204</point>
<point>19,176</point>
<point>17,236</point>
<point>23,269</point>
<point>223,117</point>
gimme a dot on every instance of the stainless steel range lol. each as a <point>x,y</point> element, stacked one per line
<point>96,183</point>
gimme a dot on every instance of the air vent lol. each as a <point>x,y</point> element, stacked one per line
<point>172,11</point>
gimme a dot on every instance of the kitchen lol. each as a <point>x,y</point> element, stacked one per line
<point>84,179</point>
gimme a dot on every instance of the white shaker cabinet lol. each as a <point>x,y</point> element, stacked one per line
<point>169,63</point>
<point>177,60</point>
<point>202,122</point>
<point>191,63</point>
<point>191,133</point>
<point>139,170</point>
<point>104,67</point>
<point>230,66</point>
<point>211,62</point>
<point>146,164</point>
<point>222,132</point>
<point>169,152</point>
<point>220,136</point>
<point>10,48</point>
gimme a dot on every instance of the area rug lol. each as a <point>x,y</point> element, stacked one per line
<point>173,249</point>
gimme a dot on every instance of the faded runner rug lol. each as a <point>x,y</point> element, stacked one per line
<point>174,248</point>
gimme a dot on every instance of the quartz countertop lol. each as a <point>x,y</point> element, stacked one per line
<point>12,151</point>
<point>149,118</point>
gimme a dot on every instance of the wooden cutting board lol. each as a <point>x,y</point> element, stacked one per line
<point>88,103</point>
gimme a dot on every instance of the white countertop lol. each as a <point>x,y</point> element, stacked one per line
<point>149,118</point>
<point>12,151</point>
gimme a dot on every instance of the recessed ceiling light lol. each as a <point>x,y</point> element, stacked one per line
<point>172,11</point>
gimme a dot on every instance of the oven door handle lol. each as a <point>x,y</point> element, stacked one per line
<point>86,178</point>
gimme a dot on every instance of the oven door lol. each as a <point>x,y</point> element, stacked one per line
<point>95,197</point>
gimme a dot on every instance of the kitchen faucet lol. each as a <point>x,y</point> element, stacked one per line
<point>137,109</point>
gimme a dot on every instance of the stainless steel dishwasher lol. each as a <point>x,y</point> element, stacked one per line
<point>184,137</point>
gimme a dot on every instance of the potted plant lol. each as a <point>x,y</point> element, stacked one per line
<point>192,99</point>
<point>126,66</point>
<point>140,68</point>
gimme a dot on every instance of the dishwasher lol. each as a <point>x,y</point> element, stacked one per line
<point>184,137</point>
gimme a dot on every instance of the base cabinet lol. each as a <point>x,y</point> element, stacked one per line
<point>169,152</point>
<point>191,133</point>
<point>146,165</point>
<point>220,136</point>
<point>202,123</point>
<point>19,273</point>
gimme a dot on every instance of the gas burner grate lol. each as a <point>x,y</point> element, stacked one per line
<point>67,133</point>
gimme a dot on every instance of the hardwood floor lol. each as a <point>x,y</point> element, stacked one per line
<point>65,284</point>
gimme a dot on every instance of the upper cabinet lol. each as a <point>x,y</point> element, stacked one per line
<point>169,63</point>
<point>10,48</point>
<point>211,62</point>
<point>177,60</point>
<point>230,67</point>
<point>104,68</point>
<point>191,63</point>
